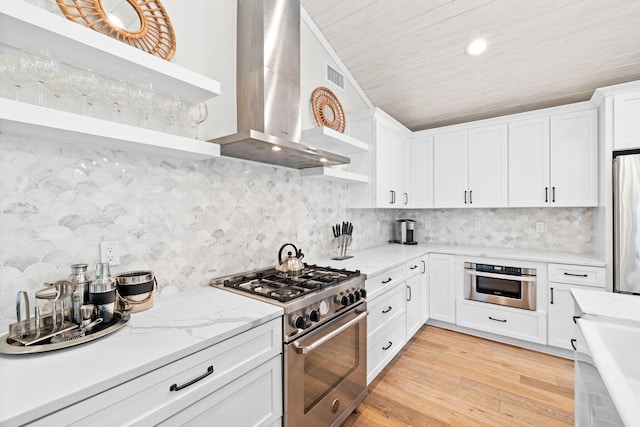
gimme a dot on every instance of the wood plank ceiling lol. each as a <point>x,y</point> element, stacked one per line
<point>408,55</point>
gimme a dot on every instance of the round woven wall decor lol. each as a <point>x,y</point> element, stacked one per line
<point>150,32</point>
<point>322,100</point>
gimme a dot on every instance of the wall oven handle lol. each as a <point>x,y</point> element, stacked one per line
<point>498,320</point>
<point>305,349</point>
<point>501,276</point>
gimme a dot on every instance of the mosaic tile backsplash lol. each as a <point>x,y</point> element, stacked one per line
<point>193,221</point>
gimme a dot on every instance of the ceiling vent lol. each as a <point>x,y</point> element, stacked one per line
<point>335,77</point>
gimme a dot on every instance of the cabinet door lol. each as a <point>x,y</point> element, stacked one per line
<point>562,328</point>
<point>450,170</point>
<point>407,174</point>
<point>626,126</point>
<point>442,296</point>
<point>389,158</point>
<point>412,296</point>
<point>488,167</point>
<point>574,163</point>
<point>421,195</point>
<point>529,163</point>
<point>424,288</point>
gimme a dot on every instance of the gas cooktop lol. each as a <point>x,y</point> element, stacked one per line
<point>269,284</point>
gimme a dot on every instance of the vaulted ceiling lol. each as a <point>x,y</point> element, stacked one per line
<point>408,56</point>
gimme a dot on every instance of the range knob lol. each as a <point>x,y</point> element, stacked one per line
<point>298,322</point>
<point>363,293</point>
<point>314,316</point>
<point>352,298</point>
<point>356,295</point>
<point>344,300</point>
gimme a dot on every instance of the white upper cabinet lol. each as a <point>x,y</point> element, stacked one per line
<point>470,168</point>
<point>420,175</point>
<point>553,160</point>
<point>389,163</point>
<point>574,162</point>
<point>529,162</point>
<point>626,126</point>
<point>450,170</point>
<point>488,167</point>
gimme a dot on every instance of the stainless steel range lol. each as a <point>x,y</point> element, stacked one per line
<point>324,330</point>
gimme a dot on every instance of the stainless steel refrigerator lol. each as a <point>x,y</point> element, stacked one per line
<point>626,222</point>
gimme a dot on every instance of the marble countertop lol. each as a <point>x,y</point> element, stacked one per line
<point>178,325</point>
<point>608,306</point>
<point>375,260</point>
<point>610,325</point>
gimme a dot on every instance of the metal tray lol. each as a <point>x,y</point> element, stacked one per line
<point>9,346</point>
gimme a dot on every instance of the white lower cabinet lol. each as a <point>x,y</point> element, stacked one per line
<point>511,322</point>
<point>414,315</point>
<point>442,289</point>
<point>562,278</point>
<point>383,345</point>
<point>244,368</point>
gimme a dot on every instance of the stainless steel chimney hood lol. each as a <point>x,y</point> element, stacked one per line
<point>268,89</point>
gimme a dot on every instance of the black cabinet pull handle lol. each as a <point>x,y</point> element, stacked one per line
<point>424,266</point>
<point>465,197</point>
<point>388,280</point>
<point>409,287</point>
<point>386,310</point>
<point>575,319</point>
<point>413,268</point>
<point>553,194</point>
<point>573,344</point>
<point>388,346</point>
<point>575,275</point>
<point>391,192</point>
<point>498,320</point>
<point>176,387</point>
<point>551,296</point>
<point>546,194</point>
<point>406,198</point>
<point>471,197</point>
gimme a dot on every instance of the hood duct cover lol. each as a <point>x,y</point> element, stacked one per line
<point>268,89</point>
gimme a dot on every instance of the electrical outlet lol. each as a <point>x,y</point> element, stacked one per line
<point>477,224</point>
<point>540,227</point>
<point>378,226</point>
<point>110,252</point>
<point>427,225</point>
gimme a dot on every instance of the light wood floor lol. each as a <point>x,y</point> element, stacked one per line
<point>446,378</point>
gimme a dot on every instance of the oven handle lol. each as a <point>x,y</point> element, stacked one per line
<point>501,276</point>
<point>305,349</point>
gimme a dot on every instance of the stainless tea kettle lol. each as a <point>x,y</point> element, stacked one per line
<point>292,265</point>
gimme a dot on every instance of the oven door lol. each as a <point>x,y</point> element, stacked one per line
<point>503,289</point>
<point>326,372</point>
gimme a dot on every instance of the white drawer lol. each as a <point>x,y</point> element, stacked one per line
<point>149,396</point>
<point>385,280</point>
<point>516,323</point>
<point>385,307</point>
<point>578,275</point>
<point>413,267</point>
<point>383,346</point>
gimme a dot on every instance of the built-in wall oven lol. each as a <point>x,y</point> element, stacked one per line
<point>498,284</point>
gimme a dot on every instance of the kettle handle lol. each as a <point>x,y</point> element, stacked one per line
<point>284,246</point>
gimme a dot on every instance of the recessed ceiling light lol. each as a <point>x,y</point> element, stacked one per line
<point>476,47</point>
<point>323,160</point>
<point>276,148</point>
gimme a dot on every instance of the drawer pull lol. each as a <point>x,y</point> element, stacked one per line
<point>498,320</point>
<point>388,280</point>
<point>388,346</point>
<point>176,387</point>
<point>575,275</point>
<point>386,310</point>
<point>414,267</point>
<point>573,344</point>
<point>575,318</point>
